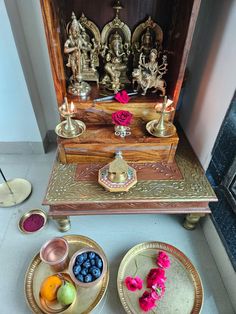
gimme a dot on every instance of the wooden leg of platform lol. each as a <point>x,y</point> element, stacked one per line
<point>63,223</point>
<point>191,221</point>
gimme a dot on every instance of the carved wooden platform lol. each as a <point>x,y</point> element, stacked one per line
<point>66,195</point>
<point>99,143</point>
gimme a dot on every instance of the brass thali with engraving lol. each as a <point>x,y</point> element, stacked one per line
<point>184,291</point>
<point>87,298</point>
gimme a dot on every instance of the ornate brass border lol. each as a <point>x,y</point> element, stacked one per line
<point>189,267</point>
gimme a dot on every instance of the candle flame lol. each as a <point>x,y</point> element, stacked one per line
<point>169,102</point>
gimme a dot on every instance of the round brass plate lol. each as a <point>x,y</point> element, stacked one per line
<point>29,214</point>
<point>169,131</point>
<point>184,291</point>
<point>80,128</point>
<point>21,189</point>
<point>87,298</point>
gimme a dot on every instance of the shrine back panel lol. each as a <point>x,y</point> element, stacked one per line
<point>176,18</point>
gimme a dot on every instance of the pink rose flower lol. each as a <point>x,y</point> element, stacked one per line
<point>133,284</point>
<point>146,302</point>
<point>163,260</point>
<point>122,97</point>
<point>156,276</point>
<point>158,291</point>
<point>122,117</point>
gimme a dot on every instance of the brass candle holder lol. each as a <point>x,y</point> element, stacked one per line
<point>69,128</point>
<point>161,127</point>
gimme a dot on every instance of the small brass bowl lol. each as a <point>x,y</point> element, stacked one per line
<point>72,263</point>
<point>55,253</point>
<point>32,221</point>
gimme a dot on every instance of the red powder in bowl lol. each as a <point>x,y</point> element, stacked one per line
<point>33,223</point>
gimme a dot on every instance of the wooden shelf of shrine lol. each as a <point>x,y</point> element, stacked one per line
<point>142,107</point>
<point>177,20</point>
<point>99,143</point>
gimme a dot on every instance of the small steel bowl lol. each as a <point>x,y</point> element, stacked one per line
<point>72,263</point>
<point>55,253</point>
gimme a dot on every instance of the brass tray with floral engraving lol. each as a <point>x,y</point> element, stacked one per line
<point>87,298</point>
<point>184,291</point>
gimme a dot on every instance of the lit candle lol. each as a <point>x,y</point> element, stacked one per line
<point>66,105</point>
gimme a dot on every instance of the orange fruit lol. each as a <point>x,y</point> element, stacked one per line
<point>49,287</point>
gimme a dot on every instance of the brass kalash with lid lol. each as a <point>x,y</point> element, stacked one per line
<point>117,176</point>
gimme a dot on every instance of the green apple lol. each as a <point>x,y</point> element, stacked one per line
<point>66,293</point>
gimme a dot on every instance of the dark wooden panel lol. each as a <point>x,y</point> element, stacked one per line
<point>51,20</point>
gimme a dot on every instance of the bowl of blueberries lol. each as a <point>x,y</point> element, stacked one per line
<point>87,267</point>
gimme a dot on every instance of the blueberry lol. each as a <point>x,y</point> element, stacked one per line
<point>91,255</point>
<point>79,259</point>
<point>99,263</point>
<point>92,262</point>
<point>96,272</point>
<point>87,263</point>
<point>80,277</point>
<point>88,278</point>
<point>84,271</point>
<point>91,269</point>
<point>85,256</point>
<point>76,269</point>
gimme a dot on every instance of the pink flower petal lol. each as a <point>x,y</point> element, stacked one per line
<point>163,260</point>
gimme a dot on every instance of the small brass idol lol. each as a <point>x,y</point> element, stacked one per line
<point>77,47</point>
<point>117,176</point>
<point>161,128</point>
<point>149,74</point>
<point>90,48</point>
<point>146,36</point>
<point>115,50</point>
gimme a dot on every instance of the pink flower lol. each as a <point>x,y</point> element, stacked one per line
<point>122,117</point>
<point>163,260</point>
<point>122,97</point>
<point>158,291</point>
<point>156,276</point>
<point>133,284</point>
<point>146,301</point>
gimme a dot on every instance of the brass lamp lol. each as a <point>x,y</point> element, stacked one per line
<point>161,128</point>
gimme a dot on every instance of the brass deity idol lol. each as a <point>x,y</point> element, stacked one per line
<point>91,42</point>
<point>116,58</point>
<point>77,46</point>
<point>146,36</point>
<point>149,74</point>
<point>115,40</point>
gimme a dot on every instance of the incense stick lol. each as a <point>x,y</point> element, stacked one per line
<point>4,178</point>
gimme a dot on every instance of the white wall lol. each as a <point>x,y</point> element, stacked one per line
<point>17,118</point>
<point>32,21</point>
<point>212,80</point>
<point>27,25</point>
